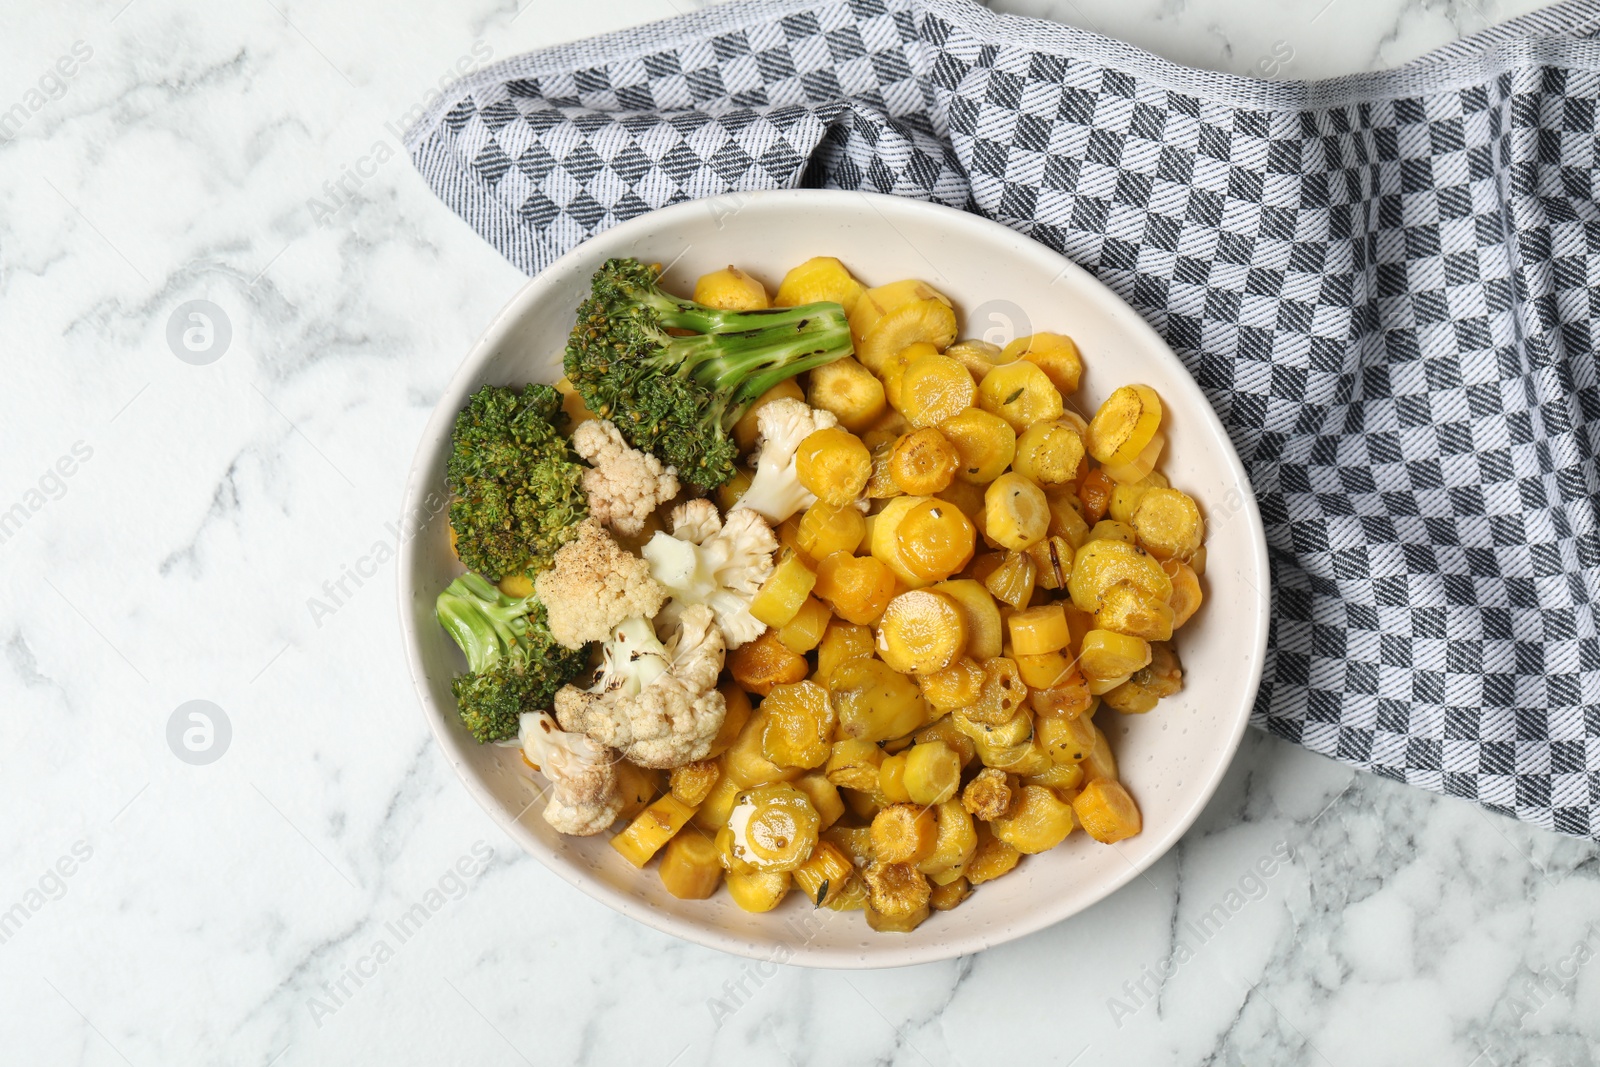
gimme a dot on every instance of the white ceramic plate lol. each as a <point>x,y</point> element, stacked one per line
<point>1003,283</point>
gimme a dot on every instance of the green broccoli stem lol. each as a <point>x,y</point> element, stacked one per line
<point>760,382</point>
<point>679,314</point>
<point>487,624</point>
<point>738,365</point>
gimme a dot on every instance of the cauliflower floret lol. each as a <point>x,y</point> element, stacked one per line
<point>695,520</point>
<point>775,491</point>
<point>592,585</point>
<point>656,703</point>
<point>623,484</point>
<point>585,797</point>
<point>715,563</point>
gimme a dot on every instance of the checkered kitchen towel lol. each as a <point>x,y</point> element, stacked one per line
<point>1385,283</point>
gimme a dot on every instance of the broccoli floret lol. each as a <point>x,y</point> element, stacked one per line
<point>679,396</point>
<point>513,664</point>
<point>515,481</point>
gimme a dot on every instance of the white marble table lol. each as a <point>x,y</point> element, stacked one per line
<point>216,532</point>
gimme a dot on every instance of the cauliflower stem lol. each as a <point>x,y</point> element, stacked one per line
<point>775,491</point>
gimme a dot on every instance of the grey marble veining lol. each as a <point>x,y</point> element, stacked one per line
<point>222,531</point>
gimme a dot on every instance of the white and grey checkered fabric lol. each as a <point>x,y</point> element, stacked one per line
<point>1386,284</point>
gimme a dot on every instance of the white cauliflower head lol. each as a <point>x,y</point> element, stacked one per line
<point>623,484</point>
<point>657,703</point>
<point>585,797</point>
<point>719,564</point>
<point>775,491</point>
<point>592,585</point>
<point>695,520</point>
